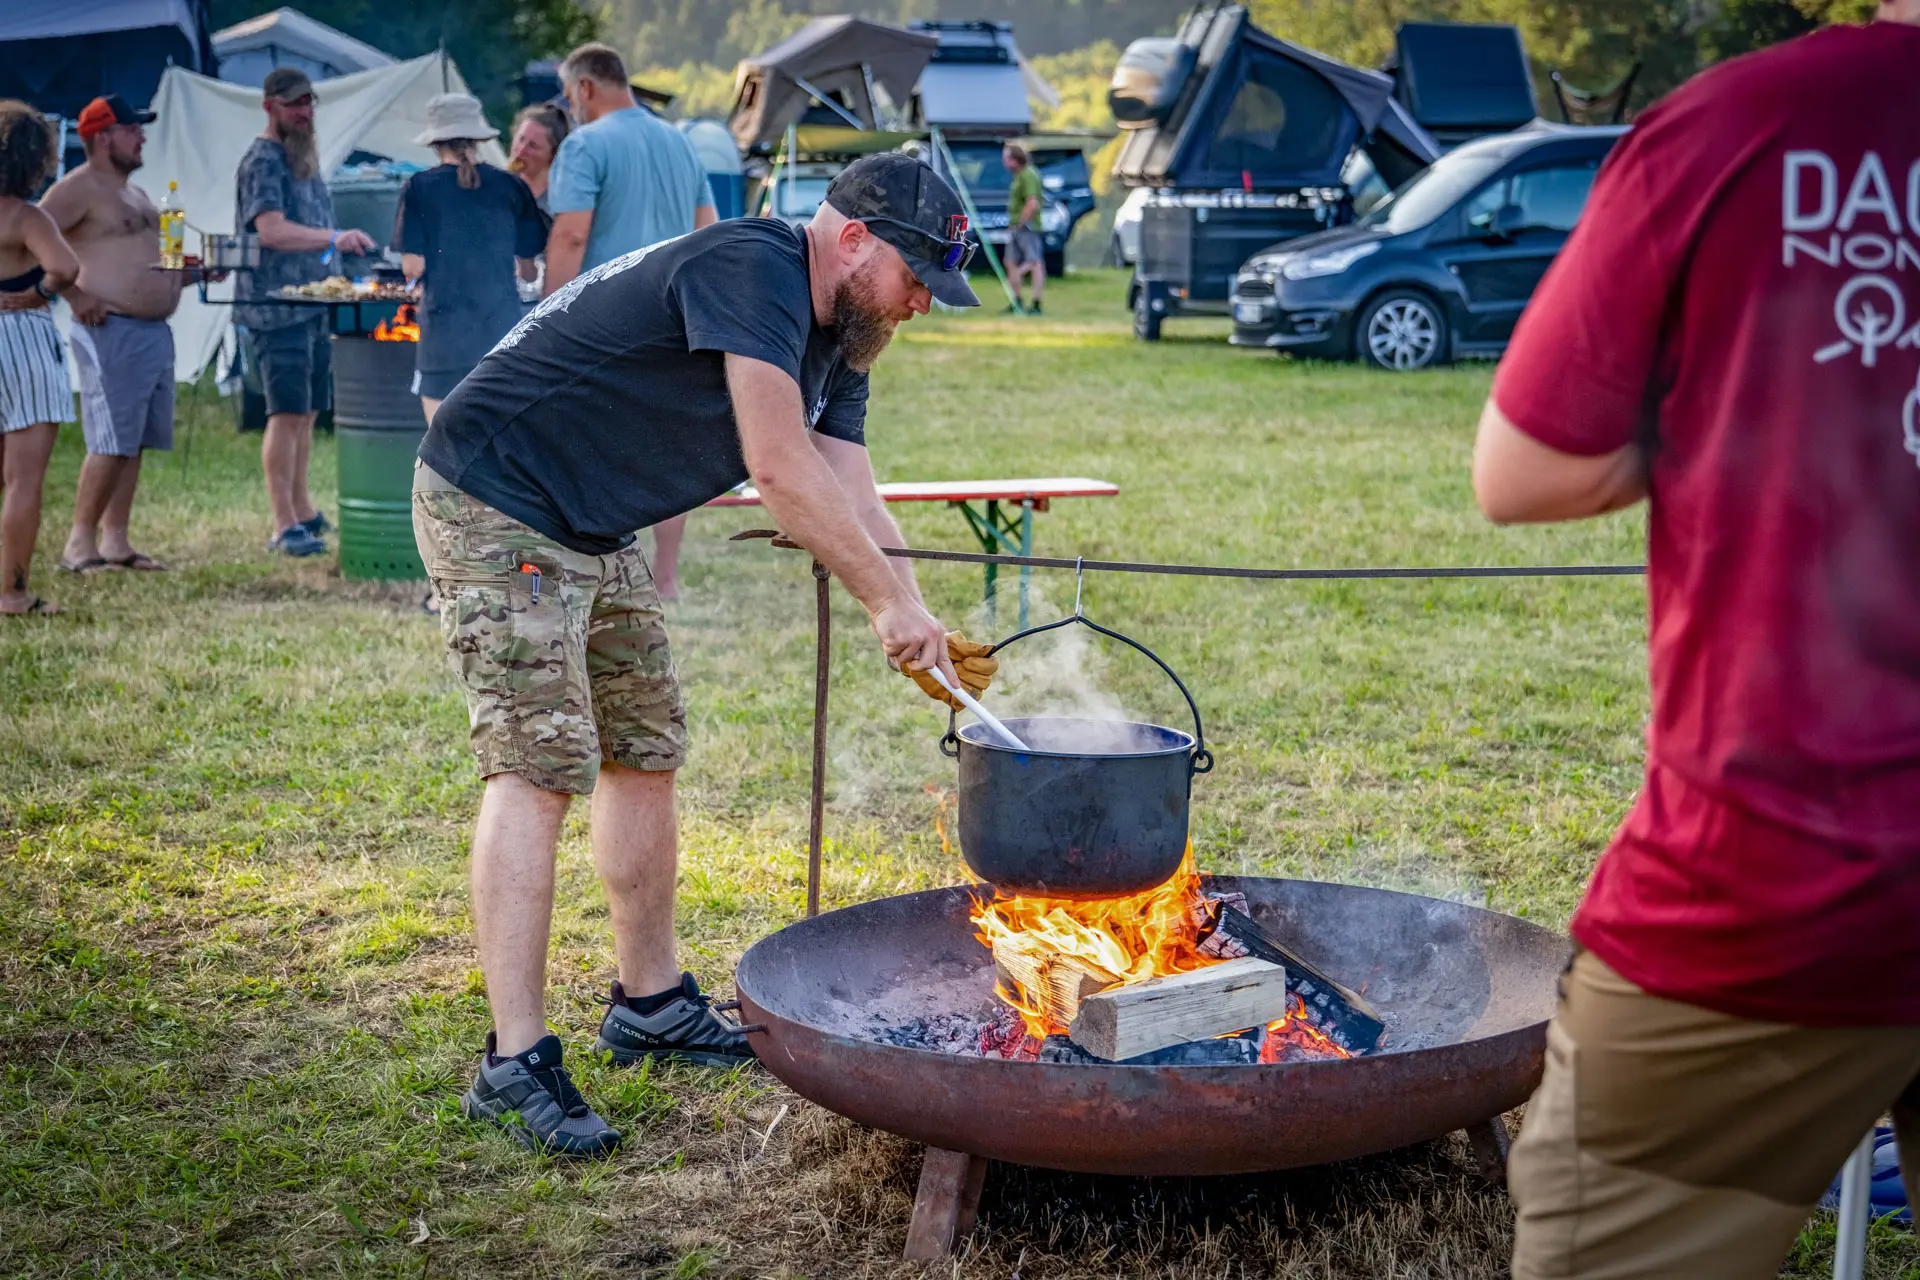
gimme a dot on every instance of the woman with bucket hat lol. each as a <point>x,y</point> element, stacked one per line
<point>464,230</point>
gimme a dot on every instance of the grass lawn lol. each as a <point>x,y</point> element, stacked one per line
<point>234,801</point>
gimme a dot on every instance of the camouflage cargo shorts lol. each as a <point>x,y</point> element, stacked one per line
<point>562,671</point>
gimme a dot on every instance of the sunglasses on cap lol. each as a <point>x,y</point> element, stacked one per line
<point>955,251</point>
<point>304,100</point>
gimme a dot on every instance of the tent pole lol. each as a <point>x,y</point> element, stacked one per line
<point>966,202</point>
<point>792,147</point>
<point>827,102</point>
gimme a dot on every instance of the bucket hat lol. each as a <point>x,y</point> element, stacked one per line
<point>453,117</point>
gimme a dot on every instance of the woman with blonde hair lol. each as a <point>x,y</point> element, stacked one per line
<point>36,396</point>
<point>464,230</point>
<point>538,132</point>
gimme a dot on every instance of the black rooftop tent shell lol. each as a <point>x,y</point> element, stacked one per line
<point>836,56</point>
<point>1462,80</point>
<point>1259,111</point>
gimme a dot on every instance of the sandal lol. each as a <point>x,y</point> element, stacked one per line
<point>93,564</point>
<point>39,607</point>
<point>141,562</point>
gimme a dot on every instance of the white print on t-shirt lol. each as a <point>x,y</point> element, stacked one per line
<point>1910,420</point>
<point>819,407</point>
<point>1871,229</point>
<point>562,298</point>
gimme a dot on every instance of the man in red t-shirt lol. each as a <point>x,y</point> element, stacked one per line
<point>1733,332</point>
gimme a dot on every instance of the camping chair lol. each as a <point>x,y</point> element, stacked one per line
<point>1855,1215</point>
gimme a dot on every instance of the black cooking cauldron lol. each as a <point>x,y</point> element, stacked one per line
<point>1093,809</point>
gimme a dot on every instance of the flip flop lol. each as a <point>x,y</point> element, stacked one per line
<point>93,564</point>
<point>141,562</point>
<point>38,607</point>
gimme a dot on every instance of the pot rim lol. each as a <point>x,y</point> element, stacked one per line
<point>976,734</point>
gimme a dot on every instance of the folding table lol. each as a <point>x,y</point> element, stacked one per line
<point>999,531</point>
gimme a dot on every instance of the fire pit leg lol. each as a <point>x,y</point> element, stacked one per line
<point>1490,1142</point>
<point>947,1204</point>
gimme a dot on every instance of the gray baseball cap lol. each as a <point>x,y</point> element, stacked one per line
<point>286,84</point>
<point>908,205</point>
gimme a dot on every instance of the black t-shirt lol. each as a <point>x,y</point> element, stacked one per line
<point>469,237</point>
<point>606,410</point>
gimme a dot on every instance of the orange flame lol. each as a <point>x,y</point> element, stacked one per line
<point>1145,936</point>
<point>403,328</point>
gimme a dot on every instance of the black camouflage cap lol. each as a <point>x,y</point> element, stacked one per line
<point>898,187</point>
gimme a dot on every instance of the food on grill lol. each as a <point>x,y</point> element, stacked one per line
<point>336,287</point>
<point>341,289</point>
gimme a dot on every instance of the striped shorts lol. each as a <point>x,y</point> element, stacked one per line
<point>34,384</point>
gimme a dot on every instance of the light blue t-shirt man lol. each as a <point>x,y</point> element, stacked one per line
<point>636,174</point>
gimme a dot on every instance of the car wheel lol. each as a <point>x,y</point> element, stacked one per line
<point>1402,330</point>
<point>1056,263</point>
<point>1146,321</point>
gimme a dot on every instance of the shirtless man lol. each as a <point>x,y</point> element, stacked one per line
<point>121,345</point>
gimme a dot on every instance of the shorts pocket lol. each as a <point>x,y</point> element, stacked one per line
<point>523,669</point>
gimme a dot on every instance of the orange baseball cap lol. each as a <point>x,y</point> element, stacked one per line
<point>103,113</point>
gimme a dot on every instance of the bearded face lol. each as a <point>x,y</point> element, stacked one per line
<point>123,148</point>
<point>293,128</point>
<point>860,319</point>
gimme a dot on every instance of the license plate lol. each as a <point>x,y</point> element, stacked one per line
<point>1248,313</point>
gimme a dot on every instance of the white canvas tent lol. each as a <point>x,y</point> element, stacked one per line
<point>205,126</point>
<point>289,38</point>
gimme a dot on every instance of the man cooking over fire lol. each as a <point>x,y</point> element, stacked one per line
<point>1745,1000</point>
<point>640,390</point>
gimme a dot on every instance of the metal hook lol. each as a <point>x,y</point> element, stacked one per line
<point>1079,581</point>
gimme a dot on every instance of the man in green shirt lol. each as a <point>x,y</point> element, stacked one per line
<point>1026,253</point>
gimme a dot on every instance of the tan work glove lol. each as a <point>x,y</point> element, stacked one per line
<point>970,663</point>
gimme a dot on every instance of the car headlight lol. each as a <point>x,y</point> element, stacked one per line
<point>1330,263</point>
<point>1053,218</point>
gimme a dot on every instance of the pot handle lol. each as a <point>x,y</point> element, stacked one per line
<point>1201,760</point>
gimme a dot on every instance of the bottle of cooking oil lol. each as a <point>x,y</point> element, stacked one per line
<point>173,229</point>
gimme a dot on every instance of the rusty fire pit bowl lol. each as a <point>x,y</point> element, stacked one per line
<point>1465,994</point>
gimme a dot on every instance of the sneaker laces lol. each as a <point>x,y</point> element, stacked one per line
<point>557,1082</point>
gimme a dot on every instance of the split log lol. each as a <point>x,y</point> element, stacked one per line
<point>1336,1012</point>
<point>1058,982</point>
<point>1125,1022</point>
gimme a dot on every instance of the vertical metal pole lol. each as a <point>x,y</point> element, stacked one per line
<point>993,570</point>
<point>1850,1231</point>
<point>792,143</point>
<point>823,652</point>
<point>1026,549</point>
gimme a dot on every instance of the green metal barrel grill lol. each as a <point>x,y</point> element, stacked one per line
<point>378,424</point>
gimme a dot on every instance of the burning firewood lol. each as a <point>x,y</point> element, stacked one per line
<point>1340,1014</point>
<point>1125,1022</point>
<point>1055,981</point>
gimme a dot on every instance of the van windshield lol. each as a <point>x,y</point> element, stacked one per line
<point>1433,191</point>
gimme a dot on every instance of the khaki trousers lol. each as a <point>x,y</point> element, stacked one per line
<point>1669,1141</point>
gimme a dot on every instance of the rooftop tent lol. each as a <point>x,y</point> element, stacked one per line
<point>840,59</point>
<point>977,79</point>
<point>1462,80</point>
<point>289,38</point>
<point>59,56</point>
<point>1229,105</point>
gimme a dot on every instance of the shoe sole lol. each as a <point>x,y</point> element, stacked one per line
<point>699,1058</point>
<point>472,1110</point>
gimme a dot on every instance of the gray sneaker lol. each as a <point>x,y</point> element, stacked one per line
<point>681,1026</point>
<point>531,1096</point>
